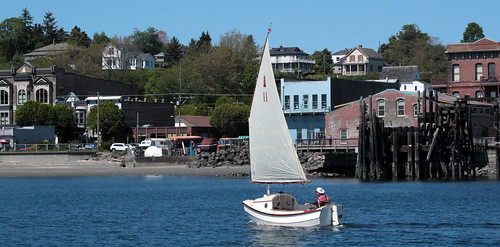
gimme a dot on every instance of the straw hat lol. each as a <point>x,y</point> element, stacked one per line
<point>320,190</point>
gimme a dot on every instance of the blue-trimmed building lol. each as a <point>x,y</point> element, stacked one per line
<point>305,103</point>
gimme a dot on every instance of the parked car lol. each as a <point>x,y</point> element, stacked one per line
<point>208,144</point>
<point>118,147</point>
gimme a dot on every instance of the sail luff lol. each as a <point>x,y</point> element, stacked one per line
<point>273,157</point>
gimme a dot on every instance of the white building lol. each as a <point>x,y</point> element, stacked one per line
<point>290,59</point>
<point>337,59</point>
<point>362,61</point>
<point>408,77</point>
<point>120,56</point>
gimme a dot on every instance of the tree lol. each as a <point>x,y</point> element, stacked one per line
<point>78,38</point>
<point>473,32</point>
<point>414,47</point>
<point>8,29</point>
<point>173,52</point>
<point>147,41</point>
<point>111,120</point>
<point>230,120</point>
<point>240,43</point>
<point>36,113</point>
<point>49,28</point>
<point>61,117</point>
<point>323,60</point>
<point>100,39</point>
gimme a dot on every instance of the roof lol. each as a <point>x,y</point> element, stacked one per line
<point>403,73</point>
<point>52,49</point>
<point>483,44</point>
<point>342,52</point>
<point>284,51</point>
<point>196,121</point>
<point>370,53</point>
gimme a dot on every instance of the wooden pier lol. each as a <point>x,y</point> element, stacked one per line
<point>441,146</point>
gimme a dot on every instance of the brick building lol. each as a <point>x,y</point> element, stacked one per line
<point>399,109</point>
<point>472,70</point>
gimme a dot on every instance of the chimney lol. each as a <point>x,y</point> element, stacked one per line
<point>360,46</point>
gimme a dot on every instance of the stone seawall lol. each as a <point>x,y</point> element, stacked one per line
<point>314,163</point>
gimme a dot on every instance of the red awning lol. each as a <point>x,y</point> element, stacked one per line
<point>3,141</point>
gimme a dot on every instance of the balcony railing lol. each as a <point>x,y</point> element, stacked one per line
<point>302,110</point>
<point>336,144</point>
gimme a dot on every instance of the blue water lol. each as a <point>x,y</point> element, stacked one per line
<point>203,211</point>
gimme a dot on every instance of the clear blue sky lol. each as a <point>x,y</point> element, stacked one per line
<point>309,24</point>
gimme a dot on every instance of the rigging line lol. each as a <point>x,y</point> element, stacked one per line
<point>174,94</point>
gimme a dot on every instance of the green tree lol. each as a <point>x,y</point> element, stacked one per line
<point>473,32</point>
<point>414,47</point>
<point>111,120</point>
<point>230,120</point>
<point>61,117</point>
<point>33,113</point>
<point>100,39</point>
<point>8,30</point>
<point>36,113</point>
<point>200,109</point>
<point>173,52</point>
<point>323,60</point>
<point>147,41</point>
<point>78,38</point>
<point>49,28</point>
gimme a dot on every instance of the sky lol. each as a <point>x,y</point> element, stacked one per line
<point>311,25</point>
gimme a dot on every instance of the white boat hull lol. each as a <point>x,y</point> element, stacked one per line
<point>263,211</point>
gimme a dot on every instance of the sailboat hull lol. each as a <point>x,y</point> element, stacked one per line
<point>263,211</point>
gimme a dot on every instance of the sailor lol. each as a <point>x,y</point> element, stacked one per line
<point>322,198</point>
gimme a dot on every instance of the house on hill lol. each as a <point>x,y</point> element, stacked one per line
<point>362,61</point>
<point>126,56</point>
<point>337,59</point>
<point>290,59</point>
<point>51,51</point>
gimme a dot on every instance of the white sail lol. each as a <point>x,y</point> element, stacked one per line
<point>273,158</point>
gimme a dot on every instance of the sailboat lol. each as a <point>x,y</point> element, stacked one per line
<point>274,160</point>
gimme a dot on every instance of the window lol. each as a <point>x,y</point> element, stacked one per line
<point>4,118</point>
<point>401,107</point>
<point>21,97</point>
<point>456,72</point>
<point>42,96</point>
<point>491,69</point>
<point>323,101</point>
<point>295,102</point>
<point>287,102</point>
<point>4,97</point>
<point>493,94</point>
<point>352,58</point>
<point>381,107</point>
<point>305,101</point>
<point>315,101</point>
<point>479,71</point>
<point>415,109</point>
<point>360,58</point>
<point>479,94</point>
<point>299,133</point>
<point>343,136</point>
<point>456,94</point>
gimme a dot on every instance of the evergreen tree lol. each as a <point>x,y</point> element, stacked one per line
<point>473,32</point>
<point>173,52</point>
<point>78,38</point>
<point>100,39</point>
<point>49,28</point>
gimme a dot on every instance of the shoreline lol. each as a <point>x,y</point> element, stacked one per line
<point>87,169</point>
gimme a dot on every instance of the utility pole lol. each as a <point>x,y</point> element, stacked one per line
<point>137,129</point>
<point>98,130</point>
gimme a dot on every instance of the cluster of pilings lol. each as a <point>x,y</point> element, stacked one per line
<point>440,146</point>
